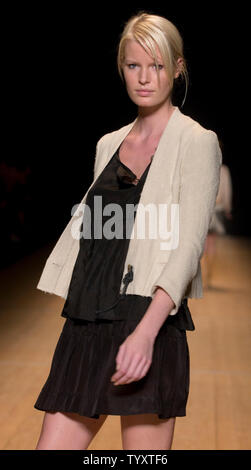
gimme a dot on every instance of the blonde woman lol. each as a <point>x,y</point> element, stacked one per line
<point>123,348</point>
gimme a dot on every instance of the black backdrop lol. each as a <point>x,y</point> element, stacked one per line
<point>63,92</point>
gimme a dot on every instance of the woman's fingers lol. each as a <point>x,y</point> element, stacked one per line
<point>140,372</point>
<point>127,373</point>
<point>134,356</point>
<point>126,368</point>
<point>135,372</point>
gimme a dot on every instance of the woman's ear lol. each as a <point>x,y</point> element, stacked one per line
<point>179,67</point>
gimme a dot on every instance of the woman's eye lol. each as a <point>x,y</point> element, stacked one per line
<point>160,66</point>
<point>132,66</point>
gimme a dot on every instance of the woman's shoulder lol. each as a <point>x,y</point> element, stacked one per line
<point>193,126</point>
<point>199,141</point>
<point>186,126</point>
<point>194,133</point>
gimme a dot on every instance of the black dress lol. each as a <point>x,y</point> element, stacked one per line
<point>99,318</point>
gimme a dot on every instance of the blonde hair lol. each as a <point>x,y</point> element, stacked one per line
<point>151,30</point>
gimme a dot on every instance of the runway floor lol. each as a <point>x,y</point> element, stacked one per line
<point>219,404</point>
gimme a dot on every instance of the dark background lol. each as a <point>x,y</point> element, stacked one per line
<point>62,92</point>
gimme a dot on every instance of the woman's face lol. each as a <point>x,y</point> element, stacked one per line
<point>141,77</point>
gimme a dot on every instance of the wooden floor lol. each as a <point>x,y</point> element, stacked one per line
<point>219,404</point>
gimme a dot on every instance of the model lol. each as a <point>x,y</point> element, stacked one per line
<point>129,258</point>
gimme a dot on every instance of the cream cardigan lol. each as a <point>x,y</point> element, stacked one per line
<point>184,175</point>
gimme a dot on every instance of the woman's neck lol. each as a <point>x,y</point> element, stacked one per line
<point>152,121</point>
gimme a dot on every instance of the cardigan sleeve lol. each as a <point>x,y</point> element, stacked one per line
<point>59,264</point>
<point>200,177</point>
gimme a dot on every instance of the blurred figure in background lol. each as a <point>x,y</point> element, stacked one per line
<point>222,212</point>
<point>15,202</point>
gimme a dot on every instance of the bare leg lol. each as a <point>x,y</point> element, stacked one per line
<point>68,431</point>
<point>147,431</point>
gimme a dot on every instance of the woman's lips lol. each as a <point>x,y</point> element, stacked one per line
<point>144,92</point>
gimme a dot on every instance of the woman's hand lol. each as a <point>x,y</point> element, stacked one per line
<point>134,358</point>
<point>135,353</point>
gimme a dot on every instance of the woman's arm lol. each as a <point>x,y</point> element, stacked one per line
<point>156,314</point>
<point>135,353</point>
<point>200,177</point>
<point>199,186</point>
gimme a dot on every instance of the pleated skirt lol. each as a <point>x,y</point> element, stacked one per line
<point>84,361</point>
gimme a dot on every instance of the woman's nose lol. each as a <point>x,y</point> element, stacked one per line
<point>144,76</point>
